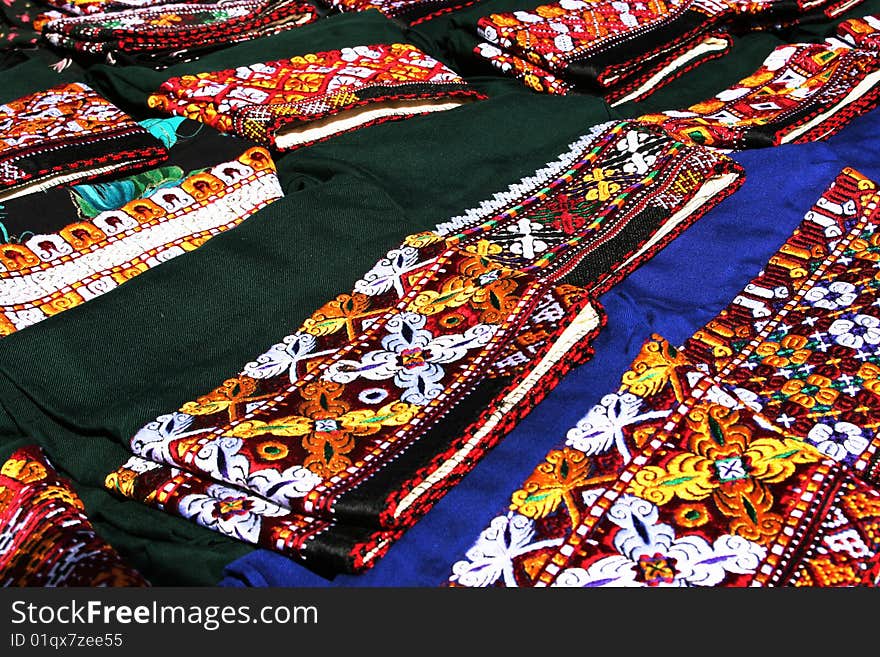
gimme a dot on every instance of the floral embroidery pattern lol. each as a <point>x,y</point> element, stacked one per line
<point>273,102</point>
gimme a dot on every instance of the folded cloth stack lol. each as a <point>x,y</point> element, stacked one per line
<point>289,103</point>
<point>172,31</point>
<point>45,537</point>
<point>746,458</point>
<point>620,48</point>
<point>801,93</point>
<point>332,442</point>
<point>69,134</point>
<point>52,272</point>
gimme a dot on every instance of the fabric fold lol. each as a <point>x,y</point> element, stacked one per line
<point>68,134</point>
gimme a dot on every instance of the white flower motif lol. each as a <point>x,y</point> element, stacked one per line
<point>491,557</point>
<point>152,441</point>
<point>412,356</point>
<point>282,487</point>
<point>527,244</point>
<point>221,458</point>
<point>839,294</point>
<point>839,441</point>
<point>282,357</point>
<point>603,425</point>
<point>856,332</point>
<point>387,273</point>
<point>229,512</point>
<point>651,555</point>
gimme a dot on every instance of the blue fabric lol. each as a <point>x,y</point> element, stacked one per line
<point>674,294</point>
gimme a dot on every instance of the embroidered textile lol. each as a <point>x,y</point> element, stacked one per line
<point>290,103</point>
<point>48,274</point>
<point>387,395</point>
<point>685,476</point>
<point>802,92</point>
<point>176,27</point>
<point>604,44</point>
<point>68,133</point>
<point>411,11</point>
<point>192,148</point>
<point>45,538</point>
<point>861,32</point>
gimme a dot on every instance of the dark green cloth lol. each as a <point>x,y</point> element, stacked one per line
<point>81,383</point>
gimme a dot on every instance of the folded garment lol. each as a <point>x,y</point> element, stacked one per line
<point>802,92</point>
<point>342,435</point>
<point>50,273</point>
<point>861,32</point>
<point>192,148</point>
<point>85,7</point>
<point>68,134</point>
<point>45,538</point>
<point>170,28</point>
<point>409,11</point>
<point>687,477</point>
<point>16,24</point>
<point>761,14</point>
<point>294,102</point>
<point>600,45</point>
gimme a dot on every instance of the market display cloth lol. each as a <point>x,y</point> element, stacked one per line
<point>112,383</point>
<point>192,148</point>
<point>802,92</point>
<point>692,476</point>
<point>324,431</point>
<point>50,273</point>
<point>623,50</point>
<point>45,537</point>
<point>171,30</point>
<point>291,103</point>
<point>724,251</point>
<point>68,134</point>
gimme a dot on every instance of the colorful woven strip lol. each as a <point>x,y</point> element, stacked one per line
<point>802,92</point>
<point>65,135</point>
<point>691,476</point>
<point>176,27</point>
<point>51,273</point>
<point>45,538</point>
<point>290,103</point>
<point>343,434</point>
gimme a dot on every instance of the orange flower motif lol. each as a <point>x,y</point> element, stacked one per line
<point>790,350</point>
<point>815,390</point>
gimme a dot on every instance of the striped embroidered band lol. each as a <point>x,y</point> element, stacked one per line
<point>293,102</point>
<point>741,459</point>
<point>68,134</point>
<point>45,539</point>
<point>51,273</point>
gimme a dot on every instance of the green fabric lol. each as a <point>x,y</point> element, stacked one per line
<point>81,383</point>
<point>35,74</point>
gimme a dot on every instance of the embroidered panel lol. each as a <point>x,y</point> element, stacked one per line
<point>175,27</point>
<point>696,449</point>
<point>672,481</point>
<point>861,32</point>
<point>45,538</point>
<point>389,394</point>
<point>802,92</point>
<point>599,44</point>
<point>289,103</point>
<point>801,342</point>
<point>48,274</point>
<point>410,11</point>
<point>66,134</point>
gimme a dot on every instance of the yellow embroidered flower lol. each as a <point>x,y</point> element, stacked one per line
<point>691,515</point>
<point>790,350</point>
<point>815,390</point>
<point>272,450</point>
